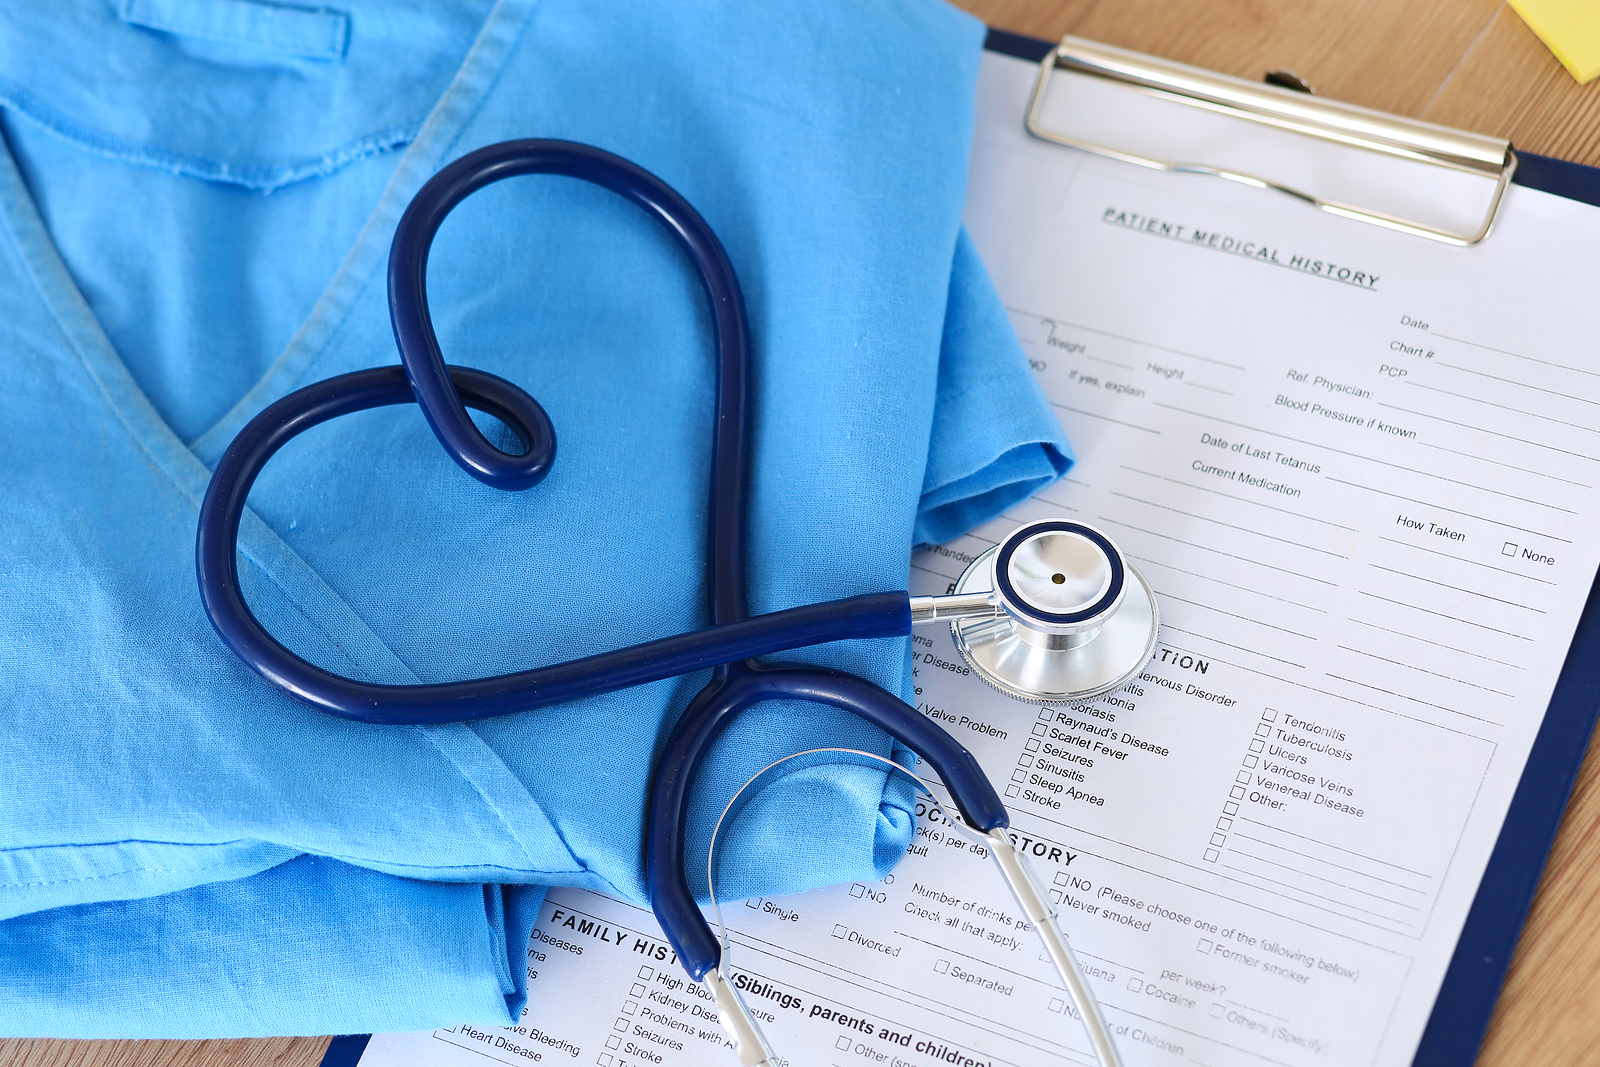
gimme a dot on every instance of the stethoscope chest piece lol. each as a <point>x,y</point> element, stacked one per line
<point>1077,619</point>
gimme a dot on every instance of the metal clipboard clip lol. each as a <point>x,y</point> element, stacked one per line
<point>1287,110</point>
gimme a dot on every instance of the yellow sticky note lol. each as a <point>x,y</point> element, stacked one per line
<point>1569,28</point>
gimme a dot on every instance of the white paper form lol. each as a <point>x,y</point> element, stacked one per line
<point>1359,470</point>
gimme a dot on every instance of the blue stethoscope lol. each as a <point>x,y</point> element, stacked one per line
<point>1053,613</point>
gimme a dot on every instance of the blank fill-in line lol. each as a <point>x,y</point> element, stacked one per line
<point>1504,407</point>
<point>1436,644</point>
<point>1519,355</point>
<point>1330,863</point>
<point>1230,644</point>
<point>1424,670</point>
<point>1500,463</point>
<point>1231,615</point>
<point>1218,551</point>
<point>1241,499</point>
<point>1457,588</point>
<point>1107,418</point>
<point>1212,388</point>
<point>1480,429</point>
<point>1296,870</point>
<point>1231,526</point>
<point>1453,511</point>
<point>1513,381</point>
<point>1119,337</point>
<point>1231,585</point>
<point>1336,848</point>
<point>1382,462</point>
<point>1463,559</point>
<point>1414,700</point>
<point>1319,896</point>
<point>1442,615</point>
<point>1111,362</point>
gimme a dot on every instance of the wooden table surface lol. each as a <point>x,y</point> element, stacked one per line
<point>1466,63</point>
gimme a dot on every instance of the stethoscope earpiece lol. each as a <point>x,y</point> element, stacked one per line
<point>1053,613</point>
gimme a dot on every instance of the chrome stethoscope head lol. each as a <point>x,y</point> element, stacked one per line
<point>1052,613</point>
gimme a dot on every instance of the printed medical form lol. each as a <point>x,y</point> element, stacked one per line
<point>1362,472</point>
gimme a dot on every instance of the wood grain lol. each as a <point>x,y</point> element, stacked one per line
<point>1467,63</point>
<point>259,1052</point>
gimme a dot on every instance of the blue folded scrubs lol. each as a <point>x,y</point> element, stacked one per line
<point>196,202</point>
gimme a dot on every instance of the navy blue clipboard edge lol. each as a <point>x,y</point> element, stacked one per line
<point>1478,968</point>
<point>1472,983</point>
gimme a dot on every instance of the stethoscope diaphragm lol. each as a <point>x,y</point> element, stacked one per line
<point>1075,619</point>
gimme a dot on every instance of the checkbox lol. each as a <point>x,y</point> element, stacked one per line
<point>1270,715</point>
<point>1218,1011</point>
<point>604,1060</point>
<point>637,990</point>
<point>1236,792</point>
<point>1060,878</point>
<point>1133,985</point>
<point>1033,744</point>
<point>1203,946</point>
<point>842,1044</point>
<point>621,1024</point>
<point>1058,1005</point>
<point>647,973</point>
<point>613,1041</point>
<point>1258,745</point>
<point>1218,839</point>
<point>1508,549</point>
<point>753,902</point>
<point>1211,855</point>
<point>1242,776</point>
<point>942,967</point>
<point>1263,730</point>
<point>1040,729</point>
<point>1024,760</point>
<point>630,1007</point>
<point>1251,761</point>
<point>1019,776</point>
<point>1231,807</point>
<point>1013,790</point>
<point>1224,823</point>
<point>1047,714</point>
<point>1044,956</point>
<point>1055,895</point>
<point>858,890</point>
<point>840,930</point>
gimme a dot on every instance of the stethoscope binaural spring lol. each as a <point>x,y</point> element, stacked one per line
<point>1053,613</point>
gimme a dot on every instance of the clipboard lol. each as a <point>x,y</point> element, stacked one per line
<point>1471,984</point>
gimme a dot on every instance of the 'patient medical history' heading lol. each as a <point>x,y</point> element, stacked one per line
<point>1261,251</point>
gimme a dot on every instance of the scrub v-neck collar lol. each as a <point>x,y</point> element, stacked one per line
<point>438,137</point>
<point>185,468</point>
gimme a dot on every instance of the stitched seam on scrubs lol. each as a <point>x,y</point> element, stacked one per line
<point>333,308</point>
<point>335,25</point>
<point>135,438</point>
<point>139,870</point>
<point>262,177</point>
<point>505,821</point>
